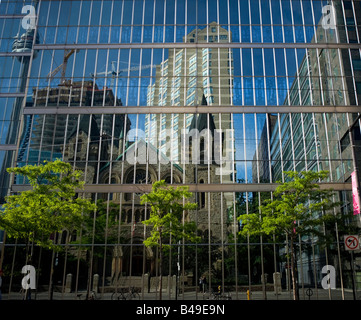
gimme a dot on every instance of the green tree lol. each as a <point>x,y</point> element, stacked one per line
<point>167,218</point>
<point>49,207</point>
<point>299,207</point>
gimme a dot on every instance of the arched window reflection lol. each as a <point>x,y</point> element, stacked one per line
<point>201,197</point>
<point>123,217</point>
<point>129,216</point>
<point>113,180</point>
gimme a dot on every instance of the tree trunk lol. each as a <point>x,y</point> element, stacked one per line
<point>293,271</point>
<point>52,269</point>
<point>28,261</point>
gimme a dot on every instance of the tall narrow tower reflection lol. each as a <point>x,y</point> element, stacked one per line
<point>23,47</point>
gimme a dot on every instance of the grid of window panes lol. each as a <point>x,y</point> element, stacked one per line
<point>160,21</point>
<point>220,95</point>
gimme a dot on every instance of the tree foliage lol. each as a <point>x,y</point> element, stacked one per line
<point>166,215</point>
<point>299,206</point>
<point>51,206</point>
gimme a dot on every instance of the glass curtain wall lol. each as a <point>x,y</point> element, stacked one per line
<point>222,96</point>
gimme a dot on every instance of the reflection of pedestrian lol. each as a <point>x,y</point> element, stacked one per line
<point>1,282</point>
<point>200,284</point>
<point>204,283</point>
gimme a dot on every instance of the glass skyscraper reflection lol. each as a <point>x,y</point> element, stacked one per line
<point>220,95</point>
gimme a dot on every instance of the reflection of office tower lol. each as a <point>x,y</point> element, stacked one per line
<point>184,79</point>
<point>325,77</point>
<point>338,88</point>
<point>178,81</point>
<point>295,128</point>
<point>261,163</point>
<point>304,146</point>
<point>289,133</point>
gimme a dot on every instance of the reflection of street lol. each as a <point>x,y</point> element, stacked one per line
<point>320,294</point>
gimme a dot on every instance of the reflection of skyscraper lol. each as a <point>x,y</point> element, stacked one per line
<point>292,130</point>
<point>323,78</point>
<point>71,93</point>
<point>22,44</point>
<point>262,154</point>
<point>183,79</point>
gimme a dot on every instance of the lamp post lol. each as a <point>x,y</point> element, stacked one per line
<point>178,272</point>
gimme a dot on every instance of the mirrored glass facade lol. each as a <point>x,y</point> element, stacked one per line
<point>220,95</point>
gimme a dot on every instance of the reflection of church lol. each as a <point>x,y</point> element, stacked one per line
<point>128,258</point>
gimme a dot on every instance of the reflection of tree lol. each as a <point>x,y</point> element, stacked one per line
<point>208,253</point>
<point>275,246</point>
<point>103,226</point>
<point>249,260</point>
<point>167,219</point>
<point>199,259</point>
<point>299,208</point>
<point>100,229</point>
